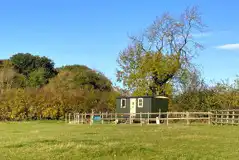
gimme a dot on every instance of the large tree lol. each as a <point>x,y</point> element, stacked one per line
<point>38,70</point>
<point>80,76</point>
<point>92,89</point>
<point>157,56</point>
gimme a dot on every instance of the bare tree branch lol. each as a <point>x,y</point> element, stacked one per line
<point>169,38</point>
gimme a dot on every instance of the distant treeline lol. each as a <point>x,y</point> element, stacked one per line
<point>32,88</point>
<point>198,96</point>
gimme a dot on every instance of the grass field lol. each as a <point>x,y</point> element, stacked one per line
<point>54,140</point>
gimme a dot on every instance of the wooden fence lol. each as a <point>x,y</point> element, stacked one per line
<point>221,117</point>
<point>141,118</point>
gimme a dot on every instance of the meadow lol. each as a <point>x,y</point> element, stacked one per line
<point>58,140</point>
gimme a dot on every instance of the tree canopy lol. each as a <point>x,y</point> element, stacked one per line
<point>80,76</point>
<point>160,53</point>
<point>37,70</point>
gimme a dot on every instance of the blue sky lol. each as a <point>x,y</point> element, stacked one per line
<point>93,32</point>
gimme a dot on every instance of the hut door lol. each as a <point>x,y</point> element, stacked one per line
<point>133,105</point>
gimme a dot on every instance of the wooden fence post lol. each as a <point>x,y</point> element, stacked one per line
<point>227,116</point>
<point>141,119</point>
<point>102,118</point>
<point>167,117</point>
<point>222,114</point>
<point>233,117</point>
<point>159,115</point>
<point>77,118</point>
<point>130,118</point>
<point>82,118</point>
<point>65,117</point>
<point>106,117</point>
<point>216,118</point>
<point>91,117</point>
<point>69,117</point>
<point>85,117</point>
<point>148,117</point>
<point>209,118</point>
<point>187,117</point>
<point>116,119</point>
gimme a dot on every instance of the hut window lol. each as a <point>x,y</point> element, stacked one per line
<point>140,102</point>
<point>123,103</point>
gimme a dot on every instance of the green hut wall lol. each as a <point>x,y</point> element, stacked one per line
<point>150,104</point>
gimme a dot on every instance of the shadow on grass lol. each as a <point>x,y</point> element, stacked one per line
<point>52,142</point>
<point>121,150</point>
<point>90,133</point>
<point>32,143</point>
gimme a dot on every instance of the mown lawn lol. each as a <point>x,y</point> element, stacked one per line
<point>54,140</point>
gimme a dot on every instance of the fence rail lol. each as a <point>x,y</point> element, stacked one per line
<point>141,118</point>
<point>225,117</point>
<point>215,117</point>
